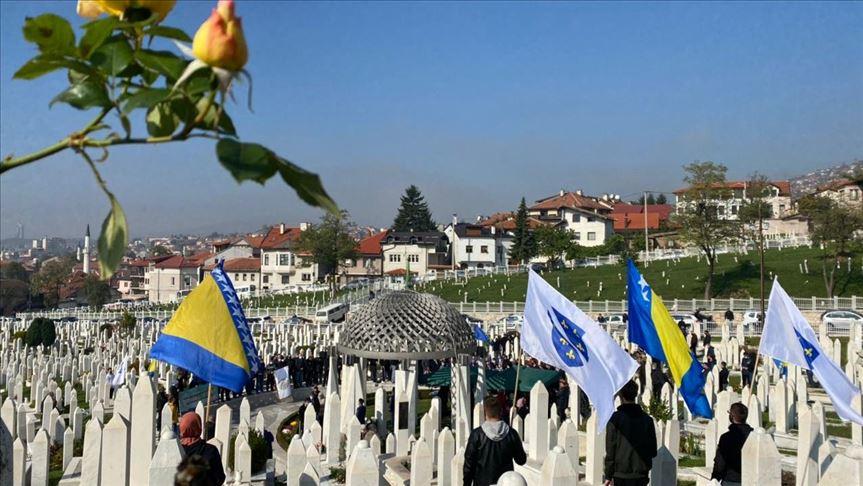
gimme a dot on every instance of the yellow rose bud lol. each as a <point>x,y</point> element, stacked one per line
<point>89,9</point>
<point>118,7</point>
<point>219,41</point>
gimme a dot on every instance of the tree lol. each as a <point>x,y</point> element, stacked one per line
<point>41,331</point>
<point>755,208</point>
<point>14,296</point>
<point>127,323</point>
<point>13,271</point>
<point>651,199</point>
<point>98,292</point>
<point>330,242</point>
<point>661,199</point>
<point>833,228</point>
<point>553,243</point>
<point>523,244</point>
<point>701,221</point>
<point>51,277</point>
<point>159,250</point>
<point>414,214</point>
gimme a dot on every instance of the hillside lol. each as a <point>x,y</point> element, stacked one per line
<point>736,276</point>
<point>809,182</point>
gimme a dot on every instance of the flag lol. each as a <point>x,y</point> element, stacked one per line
<point>789,338</point>
<point>120,373</point>
<point>209,335</point>
<point>558,333</point>
<point>654,330</point>
<point>479,334</point>
<point>283,382</point>
<point>782,367</point>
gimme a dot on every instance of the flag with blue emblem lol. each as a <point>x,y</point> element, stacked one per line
<point>479,334</point>
<point>654,330</point>
<point>557,332</point>
<point>209,335</point>
<point>788,337</point>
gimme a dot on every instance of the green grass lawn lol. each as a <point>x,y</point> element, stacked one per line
<point>733,279</point>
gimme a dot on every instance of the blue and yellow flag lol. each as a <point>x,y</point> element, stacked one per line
<point>209,335</point>
<point>653,328</point>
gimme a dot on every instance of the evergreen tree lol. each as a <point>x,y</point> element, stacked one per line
<point>414,213</point>
<point>661,199</point>
<point>523,244</point>
<point>651,199</point>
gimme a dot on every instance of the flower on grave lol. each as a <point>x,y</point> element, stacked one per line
<point>126,9</point>
<point>219,41</point>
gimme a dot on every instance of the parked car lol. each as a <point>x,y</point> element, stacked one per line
<point>688,319</point>
<point>751,318</point>
<point>841,320</point>
<point>616,321</point>
<point>331,313</point>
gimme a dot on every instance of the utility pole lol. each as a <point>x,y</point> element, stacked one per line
<point>761,252</point>
<point>646,241</point>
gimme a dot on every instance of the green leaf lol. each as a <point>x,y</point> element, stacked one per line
<point>96,33</point>
<point>145,98</point>
<point>85,94</point>
<point>46,63</point>
<point>169,33</point>
<point>163,62</point>
<point>251,161</point>
<point>113,240</point>
<point>51,33</point>
<point>113,56</point>
<point>224,125</point>
<point>161,120</point>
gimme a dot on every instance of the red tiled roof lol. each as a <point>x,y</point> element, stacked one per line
<point>570,200</point>
<point>246,264</point>
<point>200,258</point>
<point>837,184</point>
<point>399,272</point>
<point>635,221</point>
<point>371,245</point>
<point>783,186</point>
<point>505,220</point>
<point>664,210</point>
<point>177,261</point>
<point>276,239</point>
<point>139,262</point>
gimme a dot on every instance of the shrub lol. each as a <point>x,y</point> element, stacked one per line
<point>127,322</point>
<point>41,331</point>
<point>19,335</point>
<point>261,450</point>
<point>338,474</point>
<point>659,410</point>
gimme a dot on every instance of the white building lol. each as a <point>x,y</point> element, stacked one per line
<point>477,246</point>
<point>843,191</point>
<point>588,218</point>
<point>733,197</point>
<point>283,266</point>
<point>170,277</point>
<point>418,252</point>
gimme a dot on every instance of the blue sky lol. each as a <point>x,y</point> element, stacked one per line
<point>476,103</point>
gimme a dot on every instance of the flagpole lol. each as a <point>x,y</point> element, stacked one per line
<point>207,410</point>
<point>517,369</point>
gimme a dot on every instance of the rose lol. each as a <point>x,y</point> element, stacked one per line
<point>118,8</point>
<point>219,41</point>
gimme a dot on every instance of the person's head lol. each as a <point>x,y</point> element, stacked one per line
<point>190,428</point>
<point>628,393</point>
<point>563,383</point>
<point>192,471</point>
<point>491,407</point>
<point>361,402</point>
<point>738,413</point>
<point>722,364</point>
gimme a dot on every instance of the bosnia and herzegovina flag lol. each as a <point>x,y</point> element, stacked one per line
<point>209,335</point>
<point>653,328</point>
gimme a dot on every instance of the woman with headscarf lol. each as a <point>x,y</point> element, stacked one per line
<point>190,439</point>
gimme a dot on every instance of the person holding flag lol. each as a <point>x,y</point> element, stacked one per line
<point>209,336</point>
<point>558,333</point>
<point>654,330</point>
<point>788,338</point>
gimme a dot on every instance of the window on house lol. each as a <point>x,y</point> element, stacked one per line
<point>591,236</point>
<point>468,249</point>
<point>285,279</point>
<point>245,277</point>
<point>414,258</point>
<point>577,235</point>
<point>187,280</point>
<point>734,209</point>
<point>855,195</point>
<point>266,279</point>
<point>266,259</point>
<point>483,249</point>
<point>307,277</point>
<point>237,277</point>
<point>284,259</point>
<point>576,218</point>
<point>589,219</point>
<point>173,281</point>
<point>395,258</point>
<point>781,208</point>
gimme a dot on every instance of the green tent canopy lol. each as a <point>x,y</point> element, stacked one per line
<point>497,379</point>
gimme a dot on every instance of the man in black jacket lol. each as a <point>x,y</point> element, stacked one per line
<point>723,376</point>
<point>491,448</point>
<point>726,465</point>
<point>630,442</point>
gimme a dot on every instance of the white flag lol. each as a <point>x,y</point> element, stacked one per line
<point>789,338</point>
<point>120,373</point>
<point>558,333</point>
<point>283,382</point>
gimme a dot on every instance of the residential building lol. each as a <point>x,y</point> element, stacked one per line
<point>588,218</point>
<point>733,197</point>
<point>244,272</point>
<point>477,246</point>
<point>844,191</point>
<point>419,252</point>
<point>283,266</point>
<point>170,277</point>
<point>630,217</point>
<point>369,260</point>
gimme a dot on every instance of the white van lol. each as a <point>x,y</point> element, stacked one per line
<point>331,313</point>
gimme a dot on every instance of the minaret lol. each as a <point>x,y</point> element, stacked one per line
<point>87,250</point>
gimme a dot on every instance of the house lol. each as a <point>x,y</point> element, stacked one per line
<point>417,252</point>
<point>588,218</point>
<point>283,266</point>
<point>169,277</point>
<point>477,246</point>
<point>843,191</point>
<point>733,196</point>
<point>244,272</point>
<point>129,279</point>
<point>245,247</point>
<point>369,260</point>
<point>631,217</point>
